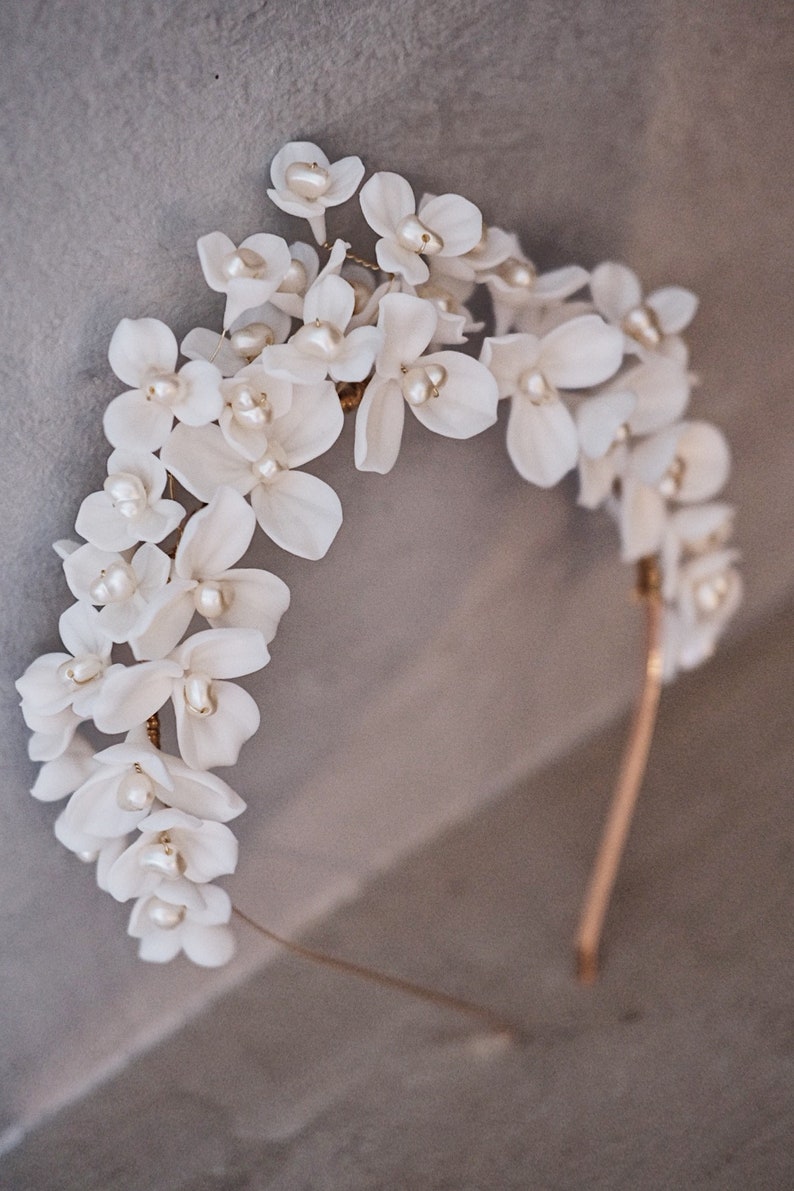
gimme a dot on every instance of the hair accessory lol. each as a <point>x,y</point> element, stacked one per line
<point>204,453</point>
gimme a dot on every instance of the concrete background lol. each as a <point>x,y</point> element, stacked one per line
<point>464,629</point>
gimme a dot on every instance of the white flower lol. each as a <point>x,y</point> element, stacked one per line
<point>693,531</point>
<point>214,717</point>
<point>51,734</point>
<point>320,348</point>
<point>652,324</point>
<point>130,509</point>
<point>143,353</point>
<point>213,540</point>
<point>449,295</point>
<point>253,397</point>
<point>306,183</point>
<point>89,848</point>
<point>57,681</point>
<point>542,441</point>
<point>445,225</point>
<point>122,588</point>
<point>300,512</point>
<point>448,392</point>
<point>514,283</point>
<point>248,275</point>
<point>165,925</point>
<point>302,273</point>
<point>172,846</point>
<point>247,338</point>
<point>708,591</point>
<point>65,773</point>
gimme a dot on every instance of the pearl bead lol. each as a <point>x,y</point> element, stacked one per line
<point>671,481</point>
<point>319,339</point>
<point>643,326</point>
<point>534,384</point>
<point>114,584</point>
<point>250,408</point>
<point>518,274</point>
<point>245,263</point>
<point>295,278</point>
<point>249,341</point>
<point>199,696</point>
<point>79,671</point>
<point>421,384</point>
<point>413,235</point>
<point>442,299</point>
<point>161,857</point>
<point>270,466</point>
<point>164,388</point>
<point>135,791</point>
<point>210,600</point>
<point>621,434</point>
<point>127,493</point>
<point>710,594</point>
<point>308,179</point>
<point>164,914</point>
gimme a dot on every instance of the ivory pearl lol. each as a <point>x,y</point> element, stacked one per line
<point>710,594</point>
<point>79,671</point>
<point>114,584</point>
<point>642,325</point>
<point>308,179</point>
<point>135,791</point>
<point>164,914</point>
<point>271,465</point>
<point>320,339</point>
<point>421,384</point>
<point>250,408</point>
<point>252,339</point>
<point>416,237</point>
<point>671,481</point>
<point>245,263</point>
<point>517,274</point>
<point>164,387</point>
<point>127,493</point>
<point>199,696</point>
<point>162,858</point>
<point>295,278</point>
<point>210,600</point>
<point>534,384</point>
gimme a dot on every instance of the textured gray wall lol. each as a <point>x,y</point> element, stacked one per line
<point>438,651</point>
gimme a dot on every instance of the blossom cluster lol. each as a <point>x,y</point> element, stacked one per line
<point>597,378</point>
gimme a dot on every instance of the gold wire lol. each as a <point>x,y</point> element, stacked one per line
<point>352,256</point>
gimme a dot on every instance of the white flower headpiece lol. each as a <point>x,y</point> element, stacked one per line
<point>599,384</point>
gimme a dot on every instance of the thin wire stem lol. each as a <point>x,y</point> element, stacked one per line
<point>632,770</point>
<point>375,976</point>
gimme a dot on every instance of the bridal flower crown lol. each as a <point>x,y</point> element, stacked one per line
<point>597,379</point>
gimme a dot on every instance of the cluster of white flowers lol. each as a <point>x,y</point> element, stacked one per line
<point>599,383</point>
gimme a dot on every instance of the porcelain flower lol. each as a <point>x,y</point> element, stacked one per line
<point>57,681</point>
<point>172,846</point>
<point>651,324</point>
<point>445,225</point>
<point>166,926</point>
<point>65,773</point>
<point>709,589</point>
<point>306,183</point>
<point>248,275</point>
<point>131,507</point>
<point>515,284</point>
<point>120,587</point>
<point>448,392</point>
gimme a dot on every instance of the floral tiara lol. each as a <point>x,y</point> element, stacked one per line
<point>597,376</point>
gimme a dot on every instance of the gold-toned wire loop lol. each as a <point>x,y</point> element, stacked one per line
<point>632,770</point>
<point>153,730</point>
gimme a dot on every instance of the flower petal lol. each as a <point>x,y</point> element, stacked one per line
<point>345,177</point>
<point>642,519</point>
<point>202,461</point>
<point>139,346</point>
<point>210,741</point>
<point>301,513</point>
<point>213,249</point>
<point>134,422</point>
<point>508,357</point>
<point>457,221</point>
<point>207,946</point>
<point>164,621</point>
<point>662,387</point>
<point>560,283</point>
<point>289,154</point>
<point>258,601</point>
<point>312,424</point>
<point>203,344</point>
<point>202,402</point>
<point>467,400</point>
<point>541,440</point>
<point>580,353</point>
<point>598,420</point>
<point>616,290</point>
<point>217,537</point>
<point>331,300</point>
<point>674,307</point>
<point>63,775</point>
<point>408,325</point>
<point>131,694</point>
<point>393,258</point>
<point>202,794</point>
<point>357,356</point>
<point>379,426</point>
<point>386,199</point>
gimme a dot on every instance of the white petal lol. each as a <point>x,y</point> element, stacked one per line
<point>580,353</point>
<point>51,734</point>
<point>357,356</point>
<point>290,363</point>
<point>63,775</point>
<point>217,537</point>
<point>408,324</point>
<point>616,290</point>
<point>242,295</point>
<point>41,688</point>
<point>707,461</point>
<point>301,513</point>
<point>393,258</point>
<point>560,283</point>
<point>215,740</point>
<point>662,387</point>
<point>207,946</point>
<point>294,151</point>
<point>202,402</point>
<point>312,425</point>
<point>541,441</point>
<point>164,621</point>
<point>131,694</point>
<point>642,517</point>
<point>93,809</point>
<point>209,850</point>
<point>142,464</point>
<point>345,177</point>
<point>134,422</point>
<point>508,357</point>
<point>598,420</point>
<point>160,946</point>
<point>223,653</point>
<point>457,221</point>
<point>202,344</point>
<point>596,477</point>
<point>386,199</point>
<point>331,300</point>
<point>81,631</point>
<point>467,400</point>
<point>674,307</point>
<point>202,461</point>
<point>258,601</point>
<point>213,250</point>
<point>379,426</point>
<point>202,794</point>
<point>158,521</point>
<point>141,345</point>
<point>99,523</point>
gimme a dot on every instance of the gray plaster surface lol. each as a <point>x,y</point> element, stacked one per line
<point>675,1071</point>
<point>436,655</point>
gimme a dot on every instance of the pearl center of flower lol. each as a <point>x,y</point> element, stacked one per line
<point>421,384</point>
<point>319,339</point>
<point>535,386</point>
<point>295,279</point>
<point>199,696</point>
<point>164,914</point>
<point>271,465</point>
<point>161,857</point>
<point>114,584</point>
<point>245,263</point>
<point>127,493</point>
<point>211,600</point>
<point>672,480</point>
<point>163,387</point>
<point>77,672</point>
<point>250,408</point>
<point>416,237</point>
<point>517,274</point>
<point>711,593</point>
<point>441,298</point>
<point>307,178</point>
<point>252,339</point>
<point>642,325</point>
<point>135,791</point>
